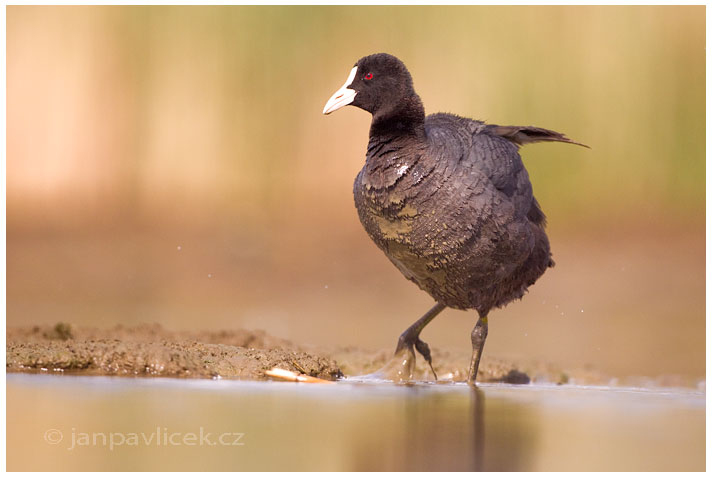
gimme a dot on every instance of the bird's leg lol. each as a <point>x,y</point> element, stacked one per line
<point>479,335</point>
<point>411,339</point>
<point>400,367</point>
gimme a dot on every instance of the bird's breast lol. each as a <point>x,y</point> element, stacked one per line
<point>386,214</point>
<point>397,207</point>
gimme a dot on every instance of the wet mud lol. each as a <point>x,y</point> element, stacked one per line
<point>151,350</point>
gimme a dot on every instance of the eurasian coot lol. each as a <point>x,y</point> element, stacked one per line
<point>447,199</point>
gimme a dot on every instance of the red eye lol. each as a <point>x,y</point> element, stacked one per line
<point>368,76</point>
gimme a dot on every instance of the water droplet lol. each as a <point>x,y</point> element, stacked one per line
<point>210,276</point>
<point>179,248</point>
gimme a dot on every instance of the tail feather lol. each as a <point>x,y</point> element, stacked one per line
<point>531,134</point>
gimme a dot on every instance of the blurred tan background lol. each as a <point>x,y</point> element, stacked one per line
<point>172,165</point>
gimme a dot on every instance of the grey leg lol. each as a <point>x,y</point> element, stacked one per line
<point>411,337</point>
<point>479,335</point>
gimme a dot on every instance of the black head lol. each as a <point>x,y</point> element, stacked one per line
<point>381,85</point>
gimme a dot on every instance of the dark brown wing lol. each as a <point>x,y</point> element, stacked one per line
<point>530,134</point>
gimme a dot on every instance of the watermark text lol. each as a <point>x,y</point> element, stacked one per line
<point>159,437</point>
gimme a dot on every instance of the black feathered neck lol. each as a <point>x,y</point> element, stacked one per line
<point>405,117</point>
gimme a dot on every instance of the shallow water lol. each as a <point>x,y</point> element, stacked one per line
<point>99,423</point>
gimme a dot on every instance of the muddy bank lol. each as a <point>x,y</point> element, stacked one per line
<point>151,350</point>
<point>154,351</point>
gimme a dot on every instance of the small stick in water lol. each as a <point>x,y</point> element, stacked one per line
<point>290,376</point>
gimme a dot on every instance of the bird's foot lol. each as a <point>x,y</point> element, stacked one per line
<point>424,350</point>
<point>408,341</point>
<point>398,369</point>
<point>401,366</point>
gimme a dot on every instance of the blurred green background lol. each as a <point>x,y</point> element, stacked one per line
<point>172,165</point>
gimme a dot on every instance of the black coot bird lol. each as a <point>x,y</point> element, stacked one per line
<point>447,199</point>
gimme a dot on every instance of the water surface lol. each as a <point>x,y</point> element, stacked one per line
<point>99,423</point>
